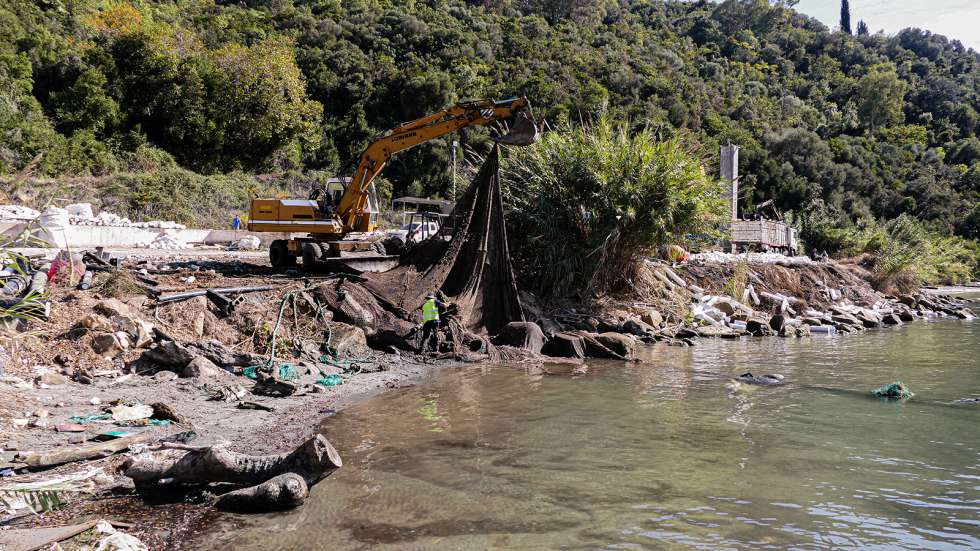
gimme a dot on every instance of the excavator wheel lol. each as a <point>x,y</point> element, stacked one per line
<point>378,247</point>
<point>279,255</point>
<point>311,253</point>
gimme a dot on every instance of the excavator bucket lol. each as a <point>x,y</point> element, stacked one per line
<point>524,131</point>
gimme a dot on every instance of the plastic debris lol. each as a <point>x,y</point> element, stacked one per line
<point>893,390</point>
<point>82,419</point>
<point>331,380</point>
<point>131,413</point>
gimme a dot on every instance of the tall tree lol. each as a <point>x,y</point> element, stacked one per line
<point>845,16</point>
<point>862,28</point>
<point>881,95</point>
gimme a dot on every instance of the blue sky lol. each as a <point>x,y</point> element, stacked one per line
<point>959,19</point>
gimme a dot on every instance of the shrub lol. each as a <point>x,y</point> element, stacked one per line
<point>587,202</point>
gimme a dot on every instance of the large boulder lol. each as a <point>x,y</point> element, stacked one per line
<point>222,356</point>
<point>348,340</point>
<point>638,328</point>
<point>521,334</point>
<point>623,345</point>
<point>759,327</point>
<point>564,345</point>
<point>652,318</point>
<point>777,322</point>
<point>201,367</point>
<point>891,319</point>
<point>965,314</point>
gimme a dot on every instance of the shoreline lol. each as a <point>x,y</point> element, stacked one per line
<point>65,353</point>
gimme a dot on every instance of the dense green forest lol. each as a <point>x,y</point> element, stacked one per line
<point>835,127</point>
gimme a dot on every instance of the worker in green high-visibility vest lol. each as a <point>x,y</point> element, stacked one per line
<point>430,322</point>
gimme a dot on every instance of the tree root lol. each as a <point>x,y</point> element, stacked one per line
<point>274,482</point>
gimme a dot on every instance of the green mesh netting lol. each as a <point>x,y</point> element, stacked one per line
<point>331,380</point>
<point>286,372</point>
<point>893,390</point>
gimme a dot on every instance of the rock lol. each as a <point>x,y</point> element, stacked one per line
<point>549,326</point>
<point>869,318</point>
<point>844,318</point>
<point>652,318</point>
<point>144,335</point>
<point>726,307</point>
<point>758,327</point>
<point>164,376</point>
<point>165,411</point>
<point>776,322</point>
<point>170,354</point>
<point>638,328</point>
<point>891,319</point>
<point>222,356</point>
<point>106,345</point>
<point>965,314</point>
<point>909,301</point>
<point>201,367</point>
<point>795,330</point>
<point>716,331</point>
<point>199,324</point>
<point>348,340</point>
<point>521,334</point>
<point>111,307</point>
<point>126,324</point>
<point>95,401</point>
<point>812,321</point>
<point>624,345</point>
<point>906,316</point>
<point>95,322</point>
<point>52,378</point>
<point>564,345</point>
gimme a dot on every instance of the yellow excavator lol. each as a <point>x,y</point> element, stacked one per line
<point>342,223</point>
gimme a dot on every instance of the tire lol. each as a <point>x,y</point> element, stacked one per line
<point>279,255</point>
<point>311,253</point>
<point>379,247</point>
<point>394,245</point>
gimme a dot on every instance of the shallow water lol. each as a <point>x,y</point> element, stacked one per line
<point>667,453</point>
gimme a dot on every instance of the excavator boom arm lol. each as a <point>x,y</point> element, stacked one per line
<point>353,205</point>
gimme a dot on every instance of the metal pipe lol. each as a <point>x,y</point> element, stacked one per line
<point>177,297</point>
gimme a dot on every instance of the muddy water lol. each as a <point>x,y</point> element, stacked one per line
<point>662,454</point>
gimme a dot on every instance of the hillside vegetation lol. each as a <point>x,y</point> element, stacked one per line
<point>837,128</point>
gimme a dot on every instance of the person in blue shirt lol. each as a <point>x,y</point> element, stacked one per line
<point>236,224</point>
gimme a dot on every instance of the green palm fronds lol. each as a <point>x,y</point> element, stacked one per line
<point>587,202</point>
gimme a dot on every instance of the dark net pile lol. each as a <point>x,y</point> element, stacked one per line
<point>467,263</point>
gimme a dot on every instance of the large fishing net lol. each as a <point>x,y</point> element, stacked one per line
<point>467,263</point>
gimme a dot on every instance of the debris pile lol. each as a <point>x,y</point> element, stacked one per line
<point>168,242</point>
<point>79,214</point>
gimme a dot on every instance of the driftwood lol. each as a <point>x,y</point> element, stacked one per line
<point>273,480</point>
<point>38,460</point>
<point>276,494</point>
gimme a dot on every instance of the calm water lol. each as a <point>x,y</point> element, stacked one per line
<point>662,454</point>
